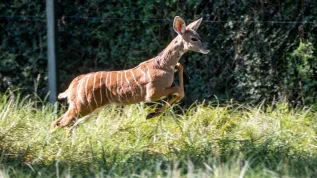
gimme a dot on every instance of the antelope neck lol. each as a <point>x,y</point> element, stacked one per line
<point>169,57</point>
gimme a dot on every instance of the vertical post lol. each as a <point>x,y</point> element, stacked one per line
<point>52,49</point>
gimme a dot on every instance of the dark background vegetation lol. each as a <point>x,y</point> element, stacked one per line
<point>260,49</point>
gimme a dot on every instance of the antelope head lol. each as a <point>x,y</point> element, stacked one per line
<point>190,38</point>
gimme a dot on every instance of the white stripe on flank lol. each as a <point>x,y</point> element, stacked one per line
<point>148,73</point>
<point>121,87</point>
<point>118,89</point>
<point>79,86</point>
<point>144,75</point>
<point>125,74</point>
<point>107,86</point>
<point>111,94</point>
<point>100,79</point>
<point>86,90</point>
<point>93,89</point>
<point>124,89</point>
<point>137,82</point>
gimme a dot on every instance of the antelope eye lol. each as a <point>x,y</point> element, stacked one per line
<point>194,39</point>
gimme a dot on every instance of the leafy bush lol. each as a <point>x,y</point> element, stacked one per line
<point>256,53</point>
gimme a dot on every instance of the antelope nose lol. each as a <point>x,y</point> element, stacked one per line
<point>205,49</point>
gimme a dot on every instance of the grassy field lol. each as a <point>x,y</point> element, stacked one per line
<point>204,141</point>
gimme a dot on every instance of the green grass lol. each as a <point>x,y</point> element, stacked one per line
<point>205,141</point>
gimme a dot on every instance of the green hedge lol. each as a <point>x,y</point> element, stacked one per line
<point>260,50</point>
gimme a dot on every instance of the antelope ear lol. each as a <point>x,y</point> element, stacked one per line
<point>194,25</point>
<point>179,25</point>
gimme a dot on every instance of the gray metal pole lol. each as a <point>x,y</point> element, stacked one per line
<point>52,49</point>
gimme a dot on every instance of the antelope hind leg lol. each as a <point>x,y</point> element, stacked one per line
<point>64,120</point>
<point>54,124</point>
<point>77,122</point>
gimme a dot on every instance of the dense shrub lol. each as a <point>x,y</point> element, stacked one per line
<point>259,49</point>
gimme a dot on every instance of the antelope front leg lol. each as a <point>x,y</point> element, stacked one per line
<point>177,92</point>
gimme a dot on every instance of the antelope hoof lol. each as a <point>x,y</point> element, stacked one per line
<point>153,114</point>
<point>53,129</point>
<point>54,126</point>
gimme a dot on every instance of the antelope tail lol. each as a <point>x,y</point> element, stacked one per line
<point>62,95</point>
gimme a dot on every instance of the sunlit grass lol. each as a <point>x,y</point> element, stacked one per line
<point>205,141</point>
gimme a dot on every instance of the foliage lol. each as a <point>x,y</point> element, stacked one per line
<point>302,84</point>
<point>257,47</point>
<point>22,46</point>
<point>206,141</point>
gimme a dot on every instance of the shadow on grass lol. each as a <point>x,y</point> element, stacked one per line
<point>283,160</point>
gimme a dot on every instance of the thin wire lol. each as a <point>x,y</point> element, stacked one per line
<point>102,19</point>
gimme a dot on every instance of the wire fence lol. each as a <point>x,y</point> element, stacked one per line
<point>104,19</point>
<point>96,19</point>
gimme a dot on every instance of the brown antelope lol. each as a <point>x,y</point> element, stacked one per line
<point>151,80</point>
